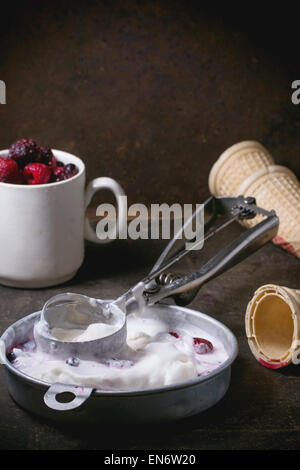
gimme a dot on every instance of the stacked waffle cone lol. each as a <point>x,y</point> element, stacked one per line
<point>273,326</point>
<point>248,168</point>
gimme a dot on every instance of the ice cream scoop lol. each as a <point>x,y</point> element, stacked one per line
<point>74,311</point>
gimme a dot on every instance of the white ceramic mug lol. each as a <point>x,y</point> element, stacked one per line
<point>42,227</point>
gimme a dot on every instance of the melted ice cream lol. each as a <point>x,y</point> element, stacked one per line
<point>154,357</point>
<point>93,331</point>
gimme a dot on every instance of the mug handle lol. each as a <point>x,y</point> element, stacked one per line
<point>94,186</point>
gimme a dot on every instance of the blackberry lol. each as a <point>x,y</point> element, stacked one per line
<point>23,151</point>
<point>44,155</point>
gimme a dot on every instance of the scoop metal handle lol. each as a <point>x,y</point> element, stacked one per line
<point>185,288</point>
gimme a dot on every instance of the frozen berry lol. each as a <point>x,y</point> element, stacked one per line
<point>71,170</point>
<point>61,173</point>
<point>11,356</point>
<point>73,361</point>
<point>53,162</point>
<point>37,173</point>
<point>202,346</point>
<point>9,171</point>
<point>58,163</point>
<point>58,174</point>
<point>173,333</point>
<point>23,152</point>
<point>44,155</point>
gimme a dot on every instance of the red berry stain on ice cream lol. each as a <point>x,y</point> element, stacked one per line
<point>202,346</point>
<point>173,333</point>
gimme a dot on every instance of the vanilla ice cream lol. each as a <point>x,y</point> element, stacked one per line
<point>154,356</point>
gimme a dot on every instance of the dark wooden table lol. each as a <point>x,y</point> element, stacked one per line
<point>261,409</point>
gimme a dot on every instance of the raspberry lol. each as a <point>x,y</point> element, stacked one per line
<point>23,152</point>
<point>202,346</point>
<point>37,173</point>
<point>9,171</point>
<point>44,155</point>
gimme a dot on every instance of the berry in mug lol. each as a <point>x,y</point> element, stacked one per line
<point>30,164</point>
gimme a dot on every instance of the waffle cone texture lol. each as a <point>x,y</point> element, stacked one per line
<point>248,168</point>
<point>272,324</point>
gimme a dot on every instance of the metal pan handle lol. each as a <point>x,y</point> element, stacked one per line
<point>80,395</point>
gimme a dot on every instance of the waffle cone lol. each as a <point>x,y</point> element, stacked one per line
<point>276,187</point>
<point>235,165</point>
<point>273,325</point>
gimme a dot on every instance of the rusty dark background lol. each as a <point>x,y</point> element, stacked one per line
<point>150,93</point>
